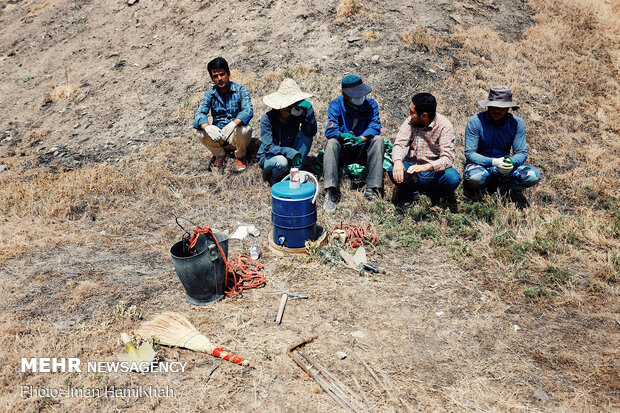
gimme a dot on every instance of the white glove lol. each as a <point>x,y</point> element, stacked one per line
<point>228,130</point>
<point>214,133</point>
<point>503,165</point>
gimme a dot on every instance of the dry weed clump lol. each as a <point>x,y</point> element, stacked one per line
<point>370,35</point>
<point>62,92</point>
<point>186,110</point>
<point>423,37</point>
<point>347,8</point>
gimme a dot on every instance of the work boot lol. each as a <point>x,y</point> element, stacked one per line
<point>372,194</point>
<point>331,199</point>
<point>518,197</point>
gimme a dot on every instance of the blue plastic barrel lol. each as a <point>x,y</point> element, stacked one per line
<point>293,214</point>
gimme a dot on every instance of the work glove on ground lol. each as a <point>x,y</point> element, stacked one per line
<point>296,161</point>
<point>213,132</point>
<point>228,130</point>
<point>504,165</point>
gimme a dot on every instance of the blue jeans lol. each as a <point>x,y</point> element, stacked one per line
<point>433,184</point>
<point>278,166</point>
<point>479,178</point>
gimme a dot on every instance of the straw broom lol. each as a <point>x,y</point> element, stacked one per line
<point>173,329</point>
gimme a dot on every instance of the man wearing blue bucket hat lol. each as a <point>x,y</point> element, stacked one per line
<point>286,131</point>
<point>353,135</point>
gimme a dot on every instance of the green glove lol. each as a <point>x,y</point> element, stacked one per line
<point>305,105</point>
<point>357,140</point>
<point>504,165</point>
<point>347,138</point>
<point>296,160</point>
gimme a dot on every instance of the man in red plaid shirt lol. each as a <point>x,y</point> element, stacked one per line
<point>423,154</point>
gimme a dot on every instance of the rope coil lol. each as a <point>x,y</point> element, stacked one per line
<point>357,235</point>
<point>245,272</point>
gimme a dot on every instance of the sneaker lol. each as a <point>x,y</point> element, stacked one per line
<point>518,197</point>
<point>331,199</point>
<point>240,165</point>
<point>218,163</point>
<point>372,194</point>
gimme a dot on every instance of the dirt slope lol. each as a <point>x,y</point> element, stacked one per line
<point>98,99</point>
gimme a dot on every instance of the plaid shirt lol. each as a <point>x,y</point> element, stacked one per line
<point>433,144</point>
<point>236,104</point>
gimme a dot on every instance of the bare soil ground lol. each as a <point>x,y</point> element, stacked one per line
<point>490,308</point>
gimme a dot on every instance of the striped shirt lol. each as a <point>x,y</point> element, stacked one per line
<point>433,144</point>
<point>235,105</point>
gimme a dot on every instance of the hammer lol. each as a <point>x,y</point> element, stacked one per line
<point>285,297</point>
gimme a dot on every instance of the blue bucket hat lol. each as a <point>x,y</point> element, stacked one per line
<point>353,87</point>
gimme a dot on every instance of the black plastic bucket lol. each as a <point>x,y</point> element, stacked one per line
<point>203,274</point>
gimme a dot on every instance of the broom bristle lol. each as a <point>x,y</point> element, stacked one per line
<point>173,329</point>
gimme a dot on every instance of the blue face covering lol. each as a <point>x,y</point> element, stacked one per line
<point>358,101</point>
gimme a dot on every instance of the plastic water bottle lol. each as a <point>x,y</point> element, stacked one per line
<point>294,181</point>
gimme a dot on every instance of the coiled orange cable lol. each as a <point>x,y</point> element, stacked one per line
<point>246,273</point>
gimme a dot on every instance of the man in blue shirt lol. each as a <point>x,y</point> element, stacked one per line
<point>353,135</point>
<point>286,131</point>
<point>231,111</point>
<point>489,137</point>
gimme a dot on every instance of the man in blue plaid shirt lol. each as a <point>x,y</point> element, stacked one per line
<point>231,111</point>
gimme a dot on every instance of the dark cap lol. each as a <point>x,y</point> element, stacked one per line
<point>499,97</point>
<point>353,87</point>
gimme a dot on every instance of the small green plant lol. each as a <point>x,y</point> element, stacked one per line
<point>427,230</point>
<point>68,382</point>
<point>25,79</point>
<point>155,344</point>
<point>557,275</point>
<point>151,130</point>
<point>481,210</point>
<point>287,71</point>
<point>538,293</point>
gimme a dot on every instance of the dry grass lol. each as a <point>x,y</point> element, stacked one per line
<point>347,8</point>
<point>62,92</point>
<point>422,37</point>
<point>370,35</point>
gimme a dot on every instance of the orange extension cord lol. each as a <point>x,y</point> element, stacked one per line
<point>246,273</point>
<point>359,235</point>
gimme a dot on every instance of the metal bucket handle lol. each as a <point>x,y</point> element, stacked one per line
<point>304,174</point>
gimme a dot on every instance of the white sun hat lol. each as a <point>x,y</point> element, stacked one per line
<point>287,94</point>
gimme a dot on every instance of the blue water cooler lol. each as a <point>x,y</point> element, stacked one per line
<point>293,213</point>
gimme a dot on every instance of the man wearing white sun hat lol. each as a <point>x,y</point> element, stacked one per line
<point>286,131</point>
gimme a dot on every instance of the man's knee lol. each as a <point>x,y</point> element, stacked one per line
<point>452,178</point>
<point>475,176</point>
<point>245,131</point>
<point>332,144</point>
<point>527,176</point>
